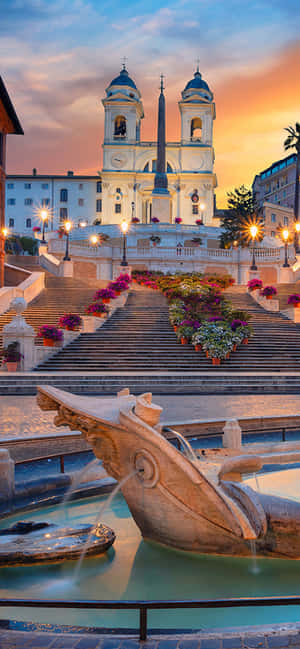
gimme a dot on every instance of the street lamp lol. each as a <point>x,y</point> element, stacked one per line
<point>67,226</point>
<point>124,227</point>
<point>94,239</point>
<point>3,235</point>
<point>202,208</point>
<point>297,230</point>
<point>44,217</point>
<point>253,233</point>
<point>285,235</point>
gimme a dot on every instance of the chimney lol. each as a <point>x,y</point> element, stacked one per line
<point>70,173</point>
<point>34,171</point>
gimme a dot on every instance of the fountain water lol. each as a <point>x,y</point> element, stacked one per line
<point>75,484</point>
<point>187,448</point>
<point>105,505</point>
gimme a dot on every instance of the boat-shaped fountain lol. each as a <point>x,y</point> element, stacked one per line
<point>194,504</point>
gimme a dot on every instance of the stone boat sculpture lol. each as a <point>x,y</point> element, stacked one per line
<point>197,505</point>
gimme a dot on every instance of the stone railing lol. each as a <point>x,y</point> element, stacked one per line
<point>31,286</point>
<point>268,305</point>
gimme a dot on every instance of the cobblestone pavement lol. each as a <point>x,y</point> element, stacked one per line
<point>20,417</point>
<point>37,640</point>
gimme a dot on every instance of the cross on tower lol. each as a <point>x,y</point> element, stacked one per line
<point>125,59</point>
<point>198,63</point>
<point>161,83</point>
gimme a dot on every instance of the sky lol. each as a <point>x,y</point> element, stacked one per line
<point>58,56</point>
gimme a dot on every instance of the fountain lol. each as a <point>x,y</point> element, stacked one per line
<point>196,505</point>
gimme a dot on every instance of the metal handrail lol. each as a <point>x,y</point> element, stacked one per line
<point>144,605</point>
<point>53,456</point>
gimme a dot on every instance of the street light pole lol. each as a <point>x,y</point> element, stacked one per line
<point>285,236</point>
<point>253,233</point>
<point>296,239</point>
<point>67,226</point>
<point>44,217</point>
<point>124,228</point>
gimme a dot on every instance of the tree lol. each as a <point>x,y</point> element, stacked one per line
<point>241,210</point>
<point>293,142</point>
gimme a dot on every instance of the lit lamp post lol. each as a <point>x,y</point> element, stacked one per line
<point>253,233</point>
<point>124,227</point>
<point>202,208</point>
<point>94,239</point>
<point>297,230</point>
<point>285,235</point>
<point>44,217</point>
<point>3,235</point>
<point>67,226</point>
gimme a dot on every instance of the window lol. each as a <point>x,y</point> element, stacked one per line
<point>118,190</point>
<point>27,185</point>
<point>28,201</point>
<point>284,193</point>
<point>195,209</point>
<point>80,201</point>
<point>285,220</point>
<point>11,201</point>
<point>120,127</point>
<point>196,129</point>
<point>63,213</point>
<point>146,167</point>
<point>45,186</point>
<point>28,223</point>
<point>272,233</point>
<point>45,202</point>
<point>10,185</point>
<point>118,208</point>
<point>273,218</point>
<point>275,197</point>
<point>63,195</point>
<point>99,187</point>
<point>11,223</point>
<point>80,186</point>
<point>99,205</point>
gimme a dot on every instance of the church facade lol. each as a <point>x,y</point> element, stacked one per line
<point>125,185</point>
<point>129,164</point>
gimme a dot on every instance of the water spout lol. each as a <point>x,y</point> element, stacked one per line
<point>187,448</point>
<point>254,568</point>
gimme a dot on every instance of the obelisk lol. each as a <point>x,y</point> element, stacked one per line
<point>160,194</point>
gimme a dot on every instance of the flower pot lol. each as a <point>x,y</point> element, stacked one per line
<point>227,356</point>
<point>184,341</point>
<point>198,347</point>
<point>70,328</point>
<point>106,300</point>
<point>207,354</point>
<point>216,361</point>
<point>175,328</point>
<point>48,342</point>
<point>118,293</point>
<point>234,347</point>
<point>269,297</point>
<point>11,366</point>
<point>245,341</point>
<point>296,306</point>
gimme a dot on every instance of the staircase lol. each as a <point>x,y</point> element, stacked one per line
<point>139,338</point>
<point>61,295</point>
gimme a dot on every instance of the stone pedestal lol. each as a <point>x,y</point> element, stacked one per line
<point>232,437</point>
<point>66,269</point>
<point>19,331</point>
<point>161,207</point>
<point>285,275</point>
<point>122,270</point>
<point>43,249</point>
<point>253,274</point>
<point>7,475</point>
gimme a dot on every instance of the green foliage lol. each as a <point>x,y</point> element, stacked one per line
<point>29,245</point>
<point>238,314</point>
<point>241,209</point>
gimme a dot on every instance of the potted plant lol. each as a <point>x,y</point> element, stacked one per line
<point>105,294</point>
<point>155,219</point>
<point>185,330</point>
<point>118,286</point>
<point>178,220</point>
<point>51,335</point>
<point>294,300</point>
<point>12,356</point>
<point>155,239</point>
<point>254,284</point>
<point>199,222</point>
<point>70,321</point>
<point>268,292</point>
<point>135,219</point>
<point>97,309</point>
<point>36,228</point>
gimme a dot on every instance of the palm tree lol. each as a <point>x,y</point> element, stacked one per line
<point>293,142</point>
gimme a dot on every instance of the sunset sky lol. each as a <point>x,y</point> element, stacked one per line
<point>58,56</point>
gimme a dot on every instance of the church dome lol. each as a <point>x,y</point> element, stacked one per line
<point>197,83</point>
<point>123,80</point>
<point>197,86</point>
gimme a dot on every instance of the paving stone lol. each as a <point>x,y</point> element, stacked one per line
<point>130,644</point>
<point>255,642</point>
<point>295,640</point>
<point>278,641</point>
<point>189,644</point>
<point>111,643</point>
<point>88,642</point>
<point>211,643</point>
<point>167,644</point>
<point>64,641</point>
<point>232,643</point>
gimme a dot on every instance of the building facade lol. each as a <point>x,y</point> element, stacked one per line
<point>276,217</point>
<point>125,186</point>
<point>276,184</point>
